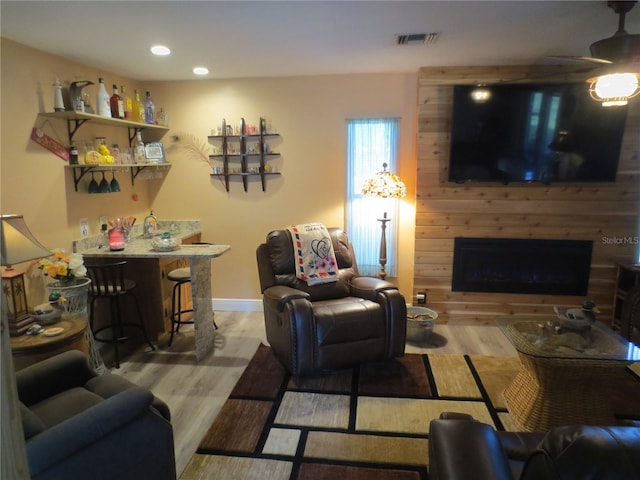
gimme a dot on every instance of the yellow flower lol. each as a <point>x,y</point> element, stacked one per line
<point>62,265</point>
<point>61,269</point>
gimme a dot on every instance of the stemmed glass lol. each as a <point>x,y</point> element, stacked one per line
<point>104,185</point>
<point>93,185</point>
<point>115,186</point>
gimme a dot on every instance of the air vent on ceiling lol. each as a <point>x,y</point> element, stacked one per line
<point>416,38</point>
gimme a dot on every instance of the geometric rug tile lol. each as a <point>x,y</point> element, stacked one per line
<point>383,414</point>
<point>262,377</point>
<point>453,377</point>
<point>477,410</point>
<point>507,422</point>
<point>314,410</point>
<point>403,376</point>
<point>496,373</point>
<point>238,426</point>
<point>282,441</point>
<point>321,471</point>
<point>330,382</point>
<point>367,448</point>
<point>406,415</point>
<point>203,467</point>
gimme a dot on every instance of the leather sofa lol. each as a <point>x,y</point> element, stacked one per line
<point>461,448</point>
<point>79,425</point>
<point>333,325</point>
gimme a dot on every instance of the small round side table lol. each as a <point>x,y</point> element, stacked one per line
<point>30,349</point>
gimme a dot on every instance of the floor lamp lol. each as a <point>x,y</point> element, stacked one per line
<point>17,245</point>
<point>384,184</point>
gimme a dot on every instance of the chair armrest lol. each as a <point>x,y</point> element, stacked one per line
<point>463,449</point>
<point>369,287</point>
<point>88,427</point>
<point>53,375</point>
<point>277,297</point>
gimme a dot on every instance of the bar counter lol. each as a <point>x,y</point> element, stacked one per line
<point>200,262</point>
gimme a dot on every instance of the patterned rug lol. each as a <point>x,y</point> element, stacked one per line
<point>369,423</point>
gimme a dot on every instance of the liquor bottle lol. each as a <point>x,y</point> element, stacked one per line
<point>116,104</point>
<point>102,100</point>
<point>73,154</point>
<point>128,104</point>
<point>149,109</point>
<point>139,155</point>
<point>138,108</point>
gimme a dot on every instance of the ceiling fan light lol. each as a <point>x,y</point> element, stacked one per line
<point>614,89</point>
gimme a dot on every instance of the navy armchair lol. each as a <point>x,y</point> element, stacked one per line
<point>78,424</point>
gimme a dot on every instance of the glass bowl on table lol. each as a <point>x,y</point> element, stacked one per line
<point>165,243</point>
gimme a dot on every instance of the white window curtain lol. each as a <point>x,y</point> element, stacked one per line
<point>370,143</point>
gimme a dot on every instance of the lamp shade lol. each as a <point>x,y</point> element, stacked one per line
<point>384,185</point>
<point>614,89</point>
<point>18,243</point>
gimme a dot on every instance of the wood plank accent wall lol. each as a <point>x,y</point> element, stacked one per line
<point>563,211</point>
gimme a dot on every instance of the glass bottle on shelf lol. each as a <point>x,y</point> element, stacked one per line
<point>103,100</point>
<point>139,155</point>
<point>149,109</point>
<point>138,108</point>
<point>73,154</point>
<point>128,103</point>
<point>116,104</point>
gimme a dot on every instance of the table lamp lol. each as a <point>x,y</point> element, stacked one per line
<point>384,184</point>
<point>17,245</point>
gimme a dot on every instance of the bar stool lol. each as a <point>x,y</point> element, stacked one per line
<point>108,283</point>
<point>181,276</point>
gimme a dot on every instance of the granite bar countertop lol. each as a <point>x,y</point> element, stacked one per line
<point>139,245</point>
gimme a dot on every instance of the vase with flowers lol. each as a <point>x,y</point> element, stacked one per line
<point>70,285</point>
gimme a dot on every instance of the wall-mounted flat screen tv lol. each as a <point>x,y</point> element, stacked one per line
<point>534,133</point>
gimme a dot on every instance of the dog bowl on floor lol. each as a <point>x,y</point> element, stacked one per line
<point>420,322</point>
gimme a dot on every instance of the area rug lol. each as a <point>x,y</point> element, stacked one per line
<point>370,423</point>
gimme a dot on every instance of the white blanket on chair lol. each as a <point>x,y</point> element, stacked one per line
<point>313,251</point>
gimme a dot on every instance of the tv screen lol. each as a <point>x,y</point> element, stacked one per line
<point>534,133</point>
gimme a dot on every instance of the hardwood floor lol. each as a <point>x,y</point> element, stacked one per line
<point>195,391</point>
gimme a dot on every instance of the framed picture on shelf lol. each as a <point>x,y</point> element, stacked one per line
<point>155,152</point>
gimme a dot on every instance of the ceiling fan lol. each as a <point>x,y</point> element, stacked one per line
<point>622,47</point>
<point>619,80</point>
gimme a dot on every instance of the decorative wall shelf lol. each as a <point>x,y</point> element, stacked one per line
<point>234,149</point>
<point>80,171</point>
<point>76,119</point>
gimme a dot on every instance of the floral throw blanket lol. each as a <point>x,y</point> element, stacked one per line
<point>314,255</point>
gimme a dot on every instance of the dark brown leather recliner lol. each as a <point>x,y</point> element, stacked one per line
<point>333,325</point>
<point>461,448</point>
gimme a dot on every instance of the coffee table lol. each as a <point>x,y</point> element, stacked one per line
<point>564,375</point>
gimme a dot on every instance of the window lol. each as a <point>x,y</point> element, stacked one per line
<point>370,143</point>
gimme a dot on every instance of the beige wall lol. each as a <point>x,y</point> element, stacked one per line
<point>308,112</point>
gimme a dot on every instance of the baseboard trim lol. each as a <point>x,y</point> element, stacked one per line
<point>236,304</point>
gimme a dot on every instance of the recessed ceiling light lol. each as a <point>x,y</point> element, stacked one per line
<point>160,50</point>
<point>200,70</point>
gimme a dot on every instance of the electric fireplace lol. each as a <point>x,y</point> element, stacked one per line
<point>534,266</point>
